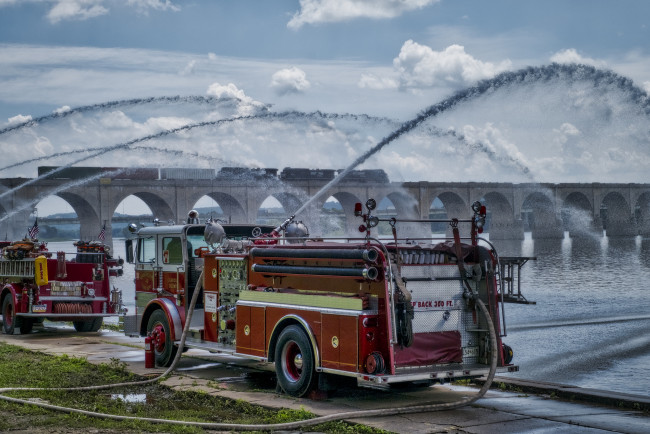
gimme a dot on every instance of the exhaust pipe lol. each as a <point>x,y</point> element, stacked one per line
<point>368,255</point>
<point>369,273</point>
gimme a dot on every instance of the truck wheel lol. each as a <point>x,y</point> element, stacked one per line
<point>163,347</point>
<point>92,325</point>
<point>294,361</point>
<point>9,320</point>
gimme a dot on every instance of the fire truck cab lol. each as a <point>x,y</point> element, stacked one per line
<point>381,311</point>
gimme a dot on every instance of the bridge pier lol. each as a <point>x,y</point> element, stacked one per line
<point>585,228</point>
<point>643,226</point>
<point>512,230</point>
<point>15,227</point>
<point>547,230</point>
<point>621,229</point>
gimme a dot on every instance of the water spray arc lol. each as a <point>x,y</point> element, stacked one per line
<point>192,99</point>
<point>483,148</point>
<point>530,75</point>
<point>178,153</point>
<point>126,145</point>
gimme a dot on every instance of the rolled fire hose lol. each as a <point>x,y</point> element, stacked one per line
<point>262,427</point>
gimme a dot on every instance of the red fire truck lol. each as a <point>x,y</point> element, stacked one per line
<point>38,285</point>
<point>382,311</point>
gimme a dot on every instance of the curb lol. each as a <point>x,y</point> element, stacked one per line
<point>571,393</point>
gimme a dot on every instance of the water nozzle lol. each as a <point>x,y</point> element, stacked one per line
<point>283,226</point>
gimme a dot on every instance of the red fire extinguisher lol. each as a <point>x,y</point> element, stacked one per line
<point>149,356</point>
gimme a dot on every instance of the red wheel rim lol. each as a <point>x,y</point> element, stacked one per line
<point>158,337</point>
<point>292,361</point>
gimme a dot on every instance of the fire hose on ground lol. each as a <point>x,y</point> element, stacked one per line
<point>261,427</point>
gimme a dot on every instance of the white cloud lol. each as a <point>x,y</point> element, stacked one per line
<point>247,105</point>
<point>116,120</point>
<point>143,6</point>
<point>572,56</point>
<point>189,68</point>
<point>76,10</point>
<point>227,91</point>
<point>646,87</point>
<point>63,109</point>
<point>372,81</point>
<point>421,67</point>
<point>19,119</point>
<point>80,10</point>
<point>329,11</point>
<point>290,80</point>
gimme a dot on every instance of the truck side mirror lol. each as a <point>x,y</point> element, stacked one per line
<point>129,251</point>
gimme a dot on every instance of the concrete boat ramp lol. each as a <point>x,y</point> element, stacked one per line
<point>529,407</point>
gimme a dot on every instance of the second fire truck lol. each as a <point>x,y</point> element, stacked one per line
<point>38,284</point>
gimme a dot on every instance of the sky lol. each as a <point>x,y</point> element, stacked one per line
<point>318,83</point>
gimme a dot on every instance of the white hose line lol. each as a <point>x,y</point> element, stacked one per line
<point>267,427</point>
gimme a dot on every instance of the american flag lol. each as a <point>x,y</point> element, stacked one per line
<point>33,231</point>
<point>102,233</point>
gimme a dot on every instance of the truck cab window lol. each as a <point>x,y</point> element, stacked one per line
<point>172,250</point>
<point>147,250</point>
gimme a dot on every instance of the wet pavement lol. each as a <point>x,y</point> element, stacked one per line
<point>534,408</point>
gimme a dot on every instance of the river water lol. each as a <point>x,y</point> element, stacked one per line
<point>591,324</point>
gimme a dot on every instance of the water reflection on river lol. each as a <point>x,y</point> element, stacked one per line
<point>591,324</point>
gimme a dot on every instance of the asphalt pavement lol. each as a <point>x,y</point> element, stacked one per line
<point>523,407</point>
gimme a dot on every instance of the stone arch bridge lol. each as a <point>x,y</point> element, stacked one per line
<point>547,210</point>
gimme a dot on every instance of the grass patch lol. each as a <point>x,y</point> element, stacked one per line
<point>23,368</point>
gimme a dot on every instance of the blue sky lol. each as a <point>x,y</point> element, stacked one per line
<point>388,59</point>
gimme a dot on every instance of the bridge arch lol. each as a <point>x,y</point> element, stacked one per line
<point>88,216</point>
<point>453,206</point>
<point>578,215</point>
<point>327,220</point>
<point>616,215</point>
<point>642,213</point>
<point>402,201</point>
<point>404,206</point>
<point>289,203</point>
<point>159,206</point>
<point>232,209</point>
<point>501,223</point>
<point>539,211</point>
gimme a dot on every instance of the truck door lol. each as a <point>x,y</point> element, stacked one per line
<point>146,276</point>
<point>172,259</point>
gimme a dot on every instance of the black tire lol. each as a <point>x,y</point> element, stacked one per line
<point>92,325</point>
<point>163,347</point>
<point>294,361</point>
<point>26,326</point>
<point>9,320</point>
<point>508,354</point>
